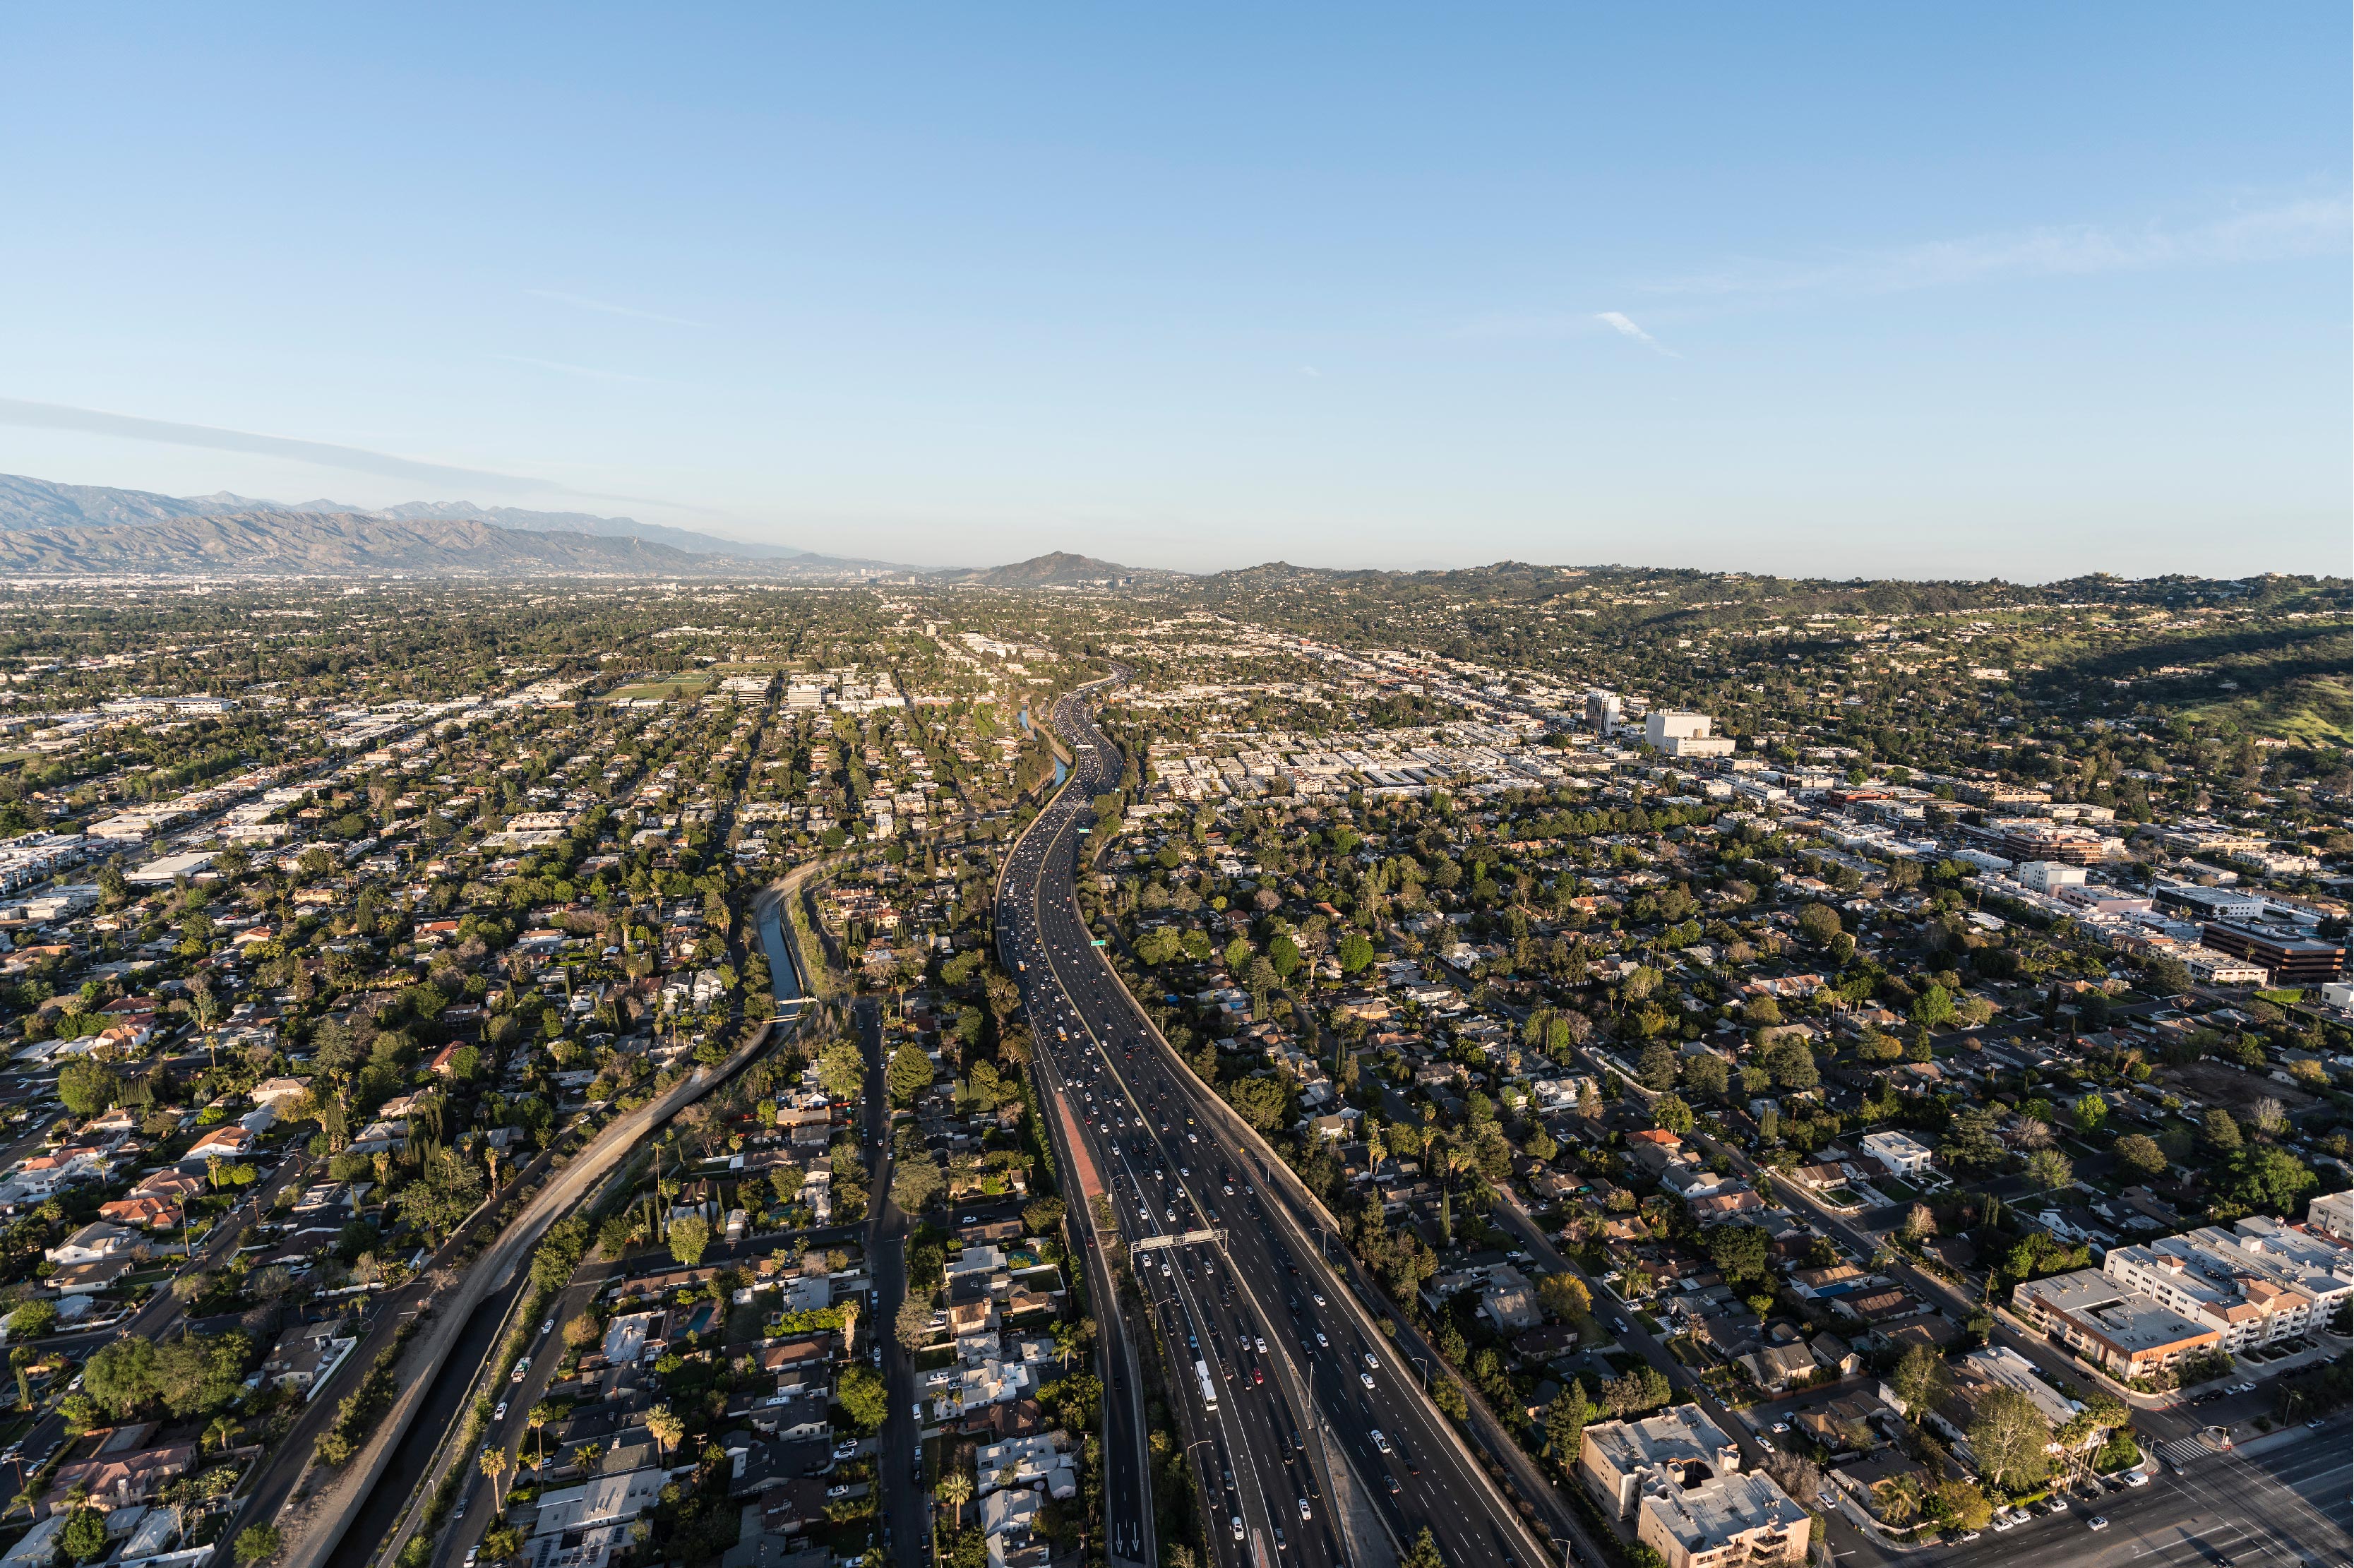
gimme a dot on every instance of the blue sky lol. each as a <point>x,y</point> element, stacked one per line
<point>1979,291</point>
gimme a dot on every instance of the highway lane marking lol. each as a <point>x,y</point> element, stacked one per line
<point>1182,1292</point>
<point>1185,1091</point>
<point>1184,1307</point>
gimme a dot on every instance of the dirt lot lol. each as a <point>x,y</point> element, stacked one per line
<point>2219,1083</point>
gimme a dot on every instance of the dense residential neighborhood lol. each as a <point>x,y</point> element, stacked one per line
<point>540,1078</point>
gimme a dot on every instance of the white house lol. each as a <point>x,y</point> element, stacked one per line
<point>1900,1154</point>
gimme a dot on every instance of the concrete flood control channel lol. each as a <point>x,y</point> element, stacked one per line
<point>444,1402</point>
<point>390,1498</point>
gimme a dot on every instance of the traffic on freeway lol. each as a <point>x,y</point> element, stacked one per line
<point>1311,1441</point>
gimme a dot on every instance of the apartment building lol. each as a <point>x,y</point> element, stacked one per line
<point>2332,1215</point>
<point>2255,1284</point>
<point>1617,1454</point>
<point>2110,1324</point>
<point>1678,1477</point>
<point>1694,1519</point>
<point>2025,839</point>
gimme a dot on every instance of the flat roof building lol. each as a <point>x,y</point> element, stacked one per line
<point>2291,954</point>
<point>2116,1327</point>
<point>1617,1454</point>
<point>2256,1283</point>
<point>2332,1215</point>
<point>1900,1154</point>
<point>1694,1518</point>
<point>1684,735</point>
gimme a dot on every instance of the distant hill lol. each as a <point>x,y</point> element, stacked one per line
<point>310,544</point>
<point>1057,569</point>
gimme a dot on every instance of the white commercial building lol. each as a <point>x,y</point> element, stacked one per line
<point>1684,735</point>
<point>2048,876</point>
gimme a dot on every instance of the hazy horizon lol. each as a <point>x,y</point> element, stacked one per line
<point>1836,291</point>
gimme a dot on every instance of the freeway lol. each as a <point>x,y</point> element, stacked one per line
<point>1311,1439</point>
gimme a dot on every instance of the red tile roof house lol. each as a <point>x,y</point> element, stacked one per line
<point>169,1184</point>
<point>118,1479</point>
<point>153,1212</point>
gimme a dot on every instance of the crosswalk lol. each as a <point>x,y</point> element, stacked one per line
<point>2182,1451</point>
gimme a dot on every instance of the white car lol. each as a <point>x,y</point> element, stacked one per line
<point>1260,1345</point>
<point>2138,1479</point>
<point>1365,1378</point>
<point>1373,1361</point>
<point>1238,1527</point>
<point>1322,1342</point>
<point>500,1412</point>
<point>1380,1442</point>
<point>1315,1296</point>
<point>1304,1515</point>
<point>2096,1522</point>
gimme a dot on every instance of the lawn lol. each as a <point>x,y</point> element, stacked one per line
<point>686,683</point>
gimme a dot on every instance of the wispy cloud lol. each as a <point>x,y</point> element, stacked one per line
<point>1618,322</point>
<point>605,307</point>
<point>2316,226</point>
<point>1547,326</point>
<point>323,454</point>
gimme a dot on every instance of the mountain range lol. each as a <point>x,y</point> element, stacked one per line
<point>47,528</point>
<point>269,543</point>
<point>76,530</point>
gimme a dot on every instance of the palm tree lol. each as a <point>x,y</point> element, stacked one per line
<point>664,1427</point>
<point>1452,1159</point>
<point>541,1414</point>
<point>955,1488</point>
<point>224,1432</point>
<point>495,1461</point>
<point>20,1358</point>
<point>1072,1339</point>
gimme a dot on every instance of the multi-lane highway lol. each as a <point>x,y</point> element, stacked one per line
<point>1311,1438</point>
